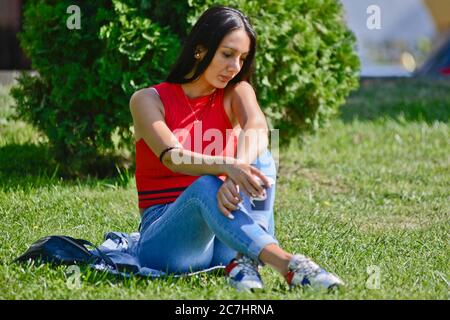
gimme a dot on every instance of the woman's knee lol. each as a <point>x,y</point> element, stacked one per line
<point>208,182</point>
<point>205,189</point>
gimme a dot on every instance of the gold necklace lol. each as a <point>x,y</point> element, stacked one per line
<point>208,104</point>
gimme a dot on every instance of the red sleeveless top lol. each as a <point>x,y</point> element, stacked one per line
<point>212,135</point>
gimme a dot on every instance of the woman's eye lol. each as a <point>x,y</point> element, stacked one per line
<point>227,55</point>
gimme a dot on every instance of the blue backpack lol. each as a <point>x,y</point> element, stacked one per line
<point>64,250</point>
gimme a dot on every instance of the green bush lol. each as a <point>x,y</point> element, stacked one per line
<point>305,61</point>
<point>305,67</point>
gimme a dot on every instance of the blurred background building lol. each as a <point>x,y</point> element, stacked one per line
<point>11,56</point>
<point>413,37</point>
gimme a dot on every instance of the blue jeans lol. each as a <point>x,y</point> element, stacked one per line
<point>192,234</point>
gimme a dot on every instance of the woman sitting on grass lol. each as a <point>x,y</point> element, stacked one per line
<point>200,206</point>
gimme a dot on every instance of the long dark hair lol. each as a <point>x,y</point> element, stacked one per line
<point>212,26</point>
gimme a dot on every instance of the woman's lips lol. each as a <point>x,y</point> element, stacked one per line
<point>225,79</point>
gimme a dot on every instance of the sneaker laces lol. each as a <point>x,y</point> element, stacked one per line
<point>248,266</point>
<point>303,265</point>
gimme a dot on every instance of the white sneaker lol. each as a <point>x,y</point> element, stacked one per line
<point>303,272</point>
<point>243,274</point>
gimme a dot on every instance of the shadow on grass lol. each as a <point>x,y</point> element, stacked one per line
<point>409,99</point>
<point>25,164</point>
<point>31,165</point>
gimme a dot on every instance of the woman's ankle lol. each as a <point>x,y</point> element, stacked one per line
<point>276,257</point>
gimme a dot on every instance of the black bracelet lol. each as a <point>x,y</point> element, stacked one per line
<point>164,152</point>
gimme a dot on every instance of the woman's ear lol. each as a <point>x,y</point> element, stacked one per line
<point>200,52</point>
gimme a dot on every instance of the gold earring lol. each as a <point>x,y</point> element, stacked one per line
<point>197,55</point>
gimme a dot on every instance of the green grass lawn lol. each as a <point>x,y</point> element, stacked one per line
<point>367,198</point>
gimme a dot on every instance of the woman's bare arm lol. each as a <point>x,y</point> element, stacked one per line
<point>253,137</point>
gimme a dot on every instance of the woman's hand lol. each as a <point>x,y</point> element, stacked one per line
<point>228,198</point>
<point>243,175</point>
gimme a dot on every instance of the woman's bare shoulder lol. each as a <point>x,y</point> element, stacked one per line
<point>233,93</point>
<point>239,89</point>
<point>148,98</point>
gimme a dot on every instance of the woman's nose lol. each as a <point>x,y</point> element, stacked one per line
<point>234,65</point>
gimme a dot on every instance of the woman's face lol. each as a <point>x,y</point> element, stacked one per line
<point>228,59</point>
